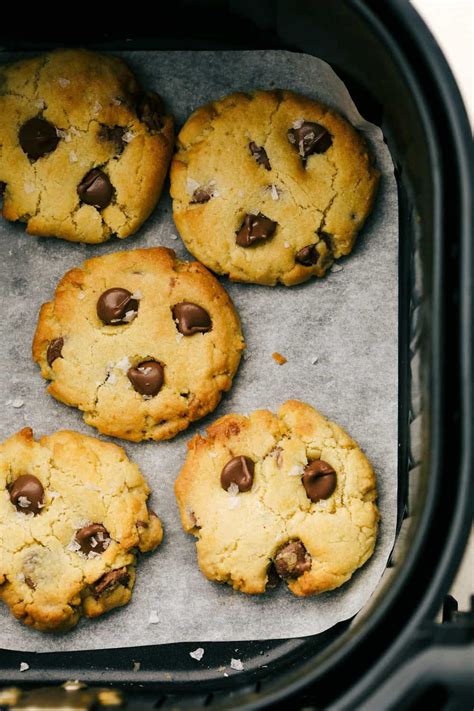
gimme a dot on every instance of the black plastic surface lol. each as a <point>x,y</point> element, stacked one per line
<point>399,80</point>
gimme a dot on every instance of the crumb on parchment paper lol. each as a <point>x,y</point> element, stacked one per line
<point>281,360</point>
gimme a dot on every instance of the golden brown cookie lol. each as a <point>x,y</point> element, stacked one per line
<point>290,494</point>
<point>270,187</point>
<point>143,343</point>
<point>84,150</point>
<point>73,511</point>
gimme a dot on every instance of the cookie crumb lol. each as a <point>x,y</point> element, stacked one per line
<point>278,358</point>
<point>24,666</point>
<point>153,619</point>
<point>197,654</point>
<point>236,664</point>
<point>136,666</point>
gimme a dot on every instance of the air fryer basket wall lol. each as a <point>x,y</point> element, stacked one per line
<point>399,80</point>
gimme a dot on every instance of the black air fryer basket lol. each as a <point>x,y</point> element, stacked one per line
<point>392,654</point>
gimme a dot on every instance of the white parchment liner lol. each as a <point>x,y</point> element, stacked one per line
<point>348,321</point>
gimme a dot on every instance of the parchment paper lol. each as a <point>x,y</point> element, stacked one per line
<point>348,321</point>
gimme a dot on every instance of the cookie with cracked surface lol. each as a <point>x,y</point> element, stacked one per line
<point>85,150</point>
<point>288,494</point>
<point>143,343</point>
<point>282,183</point>
<point>73,513</point>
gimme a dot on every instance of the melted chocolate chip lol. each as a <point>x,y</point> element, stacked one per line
<point>150,110</point>
<point>307,256</point>
<point>54,350</point>
<point>37,138</point>
<point>147,378</point>
<point>95,189</point>
<point>292,560</point>
<point>260,155</point>
<point>111,580</point>
<point>310,138</point>
<point>93,538</point>
<point>27,494</point>
<point>319,480</point>
<point>238,470</point>
<point>30,582</point>
<point>200,195</point>
<point>113,134</point>
<point>191,318</point>
<point>255,228</point>
<point>114,305</point>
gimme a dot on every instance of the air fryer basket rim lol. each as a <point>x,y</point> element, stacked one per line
<point>402,31</point>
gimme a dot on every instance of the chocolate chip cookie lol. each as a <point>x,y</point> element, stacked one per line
<point>287,496</point>
<point>143,343</point>
<point>73,512</point>
<point>84,150</point>
<point>270,187</point>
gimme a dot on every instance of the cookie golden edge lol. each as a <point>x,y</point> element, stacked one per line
<point>188,218</point>
<point>330,568</point>
<point>61,615</point>
<point>147,157</point>
<point>162,258</point>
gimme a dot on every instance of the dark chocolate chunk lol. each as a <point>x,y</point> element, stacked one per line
<point>238,470</point>
<point>113,134</point>
<point>201,195</point>
<point>96,189</point>
<point>307,256</point>
<point>255,228</point>
<point>292,560</point>
<point>27,494</point>
<point>114,305</point>
<point>93,538</point>
<point>310,138</point>
<point>150,110</point>
<point>147,378</point>
<point>111,580</point>
<point>37,138</point>
<point>2,188</point>
<point>260,155</point>
<point>54,350</point>
<point>191,318</point>
<point>319,480</point>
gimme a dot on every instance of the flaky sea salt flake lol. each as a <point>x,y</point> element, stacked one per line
<point>337,268</point>
<point>128,136</point>
<point>191,185</point>
<point>275,193</point>
<point>236,664</point>
<point>298,123</point>
<point>296,470</point>
<point>29,187</point>
<point>123,364</point>
<point>153,619</point>
<point>129,316</point>
<point>96,108</point>
<point>73,156</point>
<point>24,666</point>
<point>17,403</point>
<point>197,654</point>
<point>137,295</point>
<point>63,83</point>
